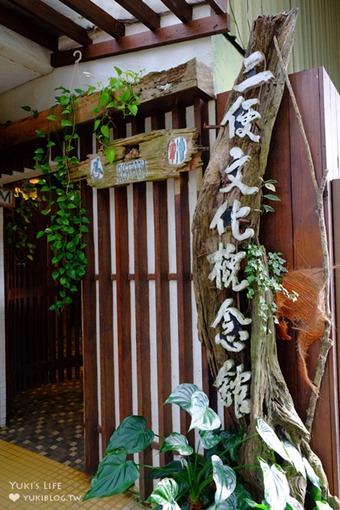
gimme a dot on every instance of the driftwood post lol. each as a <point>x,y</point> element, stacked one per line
<point>226,220</point>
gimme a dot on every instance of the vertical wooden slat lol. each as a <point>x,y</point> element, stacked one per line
<point>105,317</point>
<point>162,312</point>
<point>123,303</point>
<point>183,258</point>
<point>89,329</point>
<point>142,321</point>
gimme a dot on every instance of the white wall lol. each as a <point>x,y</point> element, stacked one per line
<point>2,329</point>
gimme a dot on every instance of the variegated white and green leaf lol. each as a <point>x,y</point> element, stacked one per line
<point>295,457</point>
<point>271,439</point>
<point>276,488</point>
<point>165,494</point>
<point>224,478</point>
<point>182,395</point>
<point>178,443</point>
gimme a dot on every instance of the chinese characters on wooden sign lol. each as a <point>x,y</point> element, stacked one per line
<point>232,380</point>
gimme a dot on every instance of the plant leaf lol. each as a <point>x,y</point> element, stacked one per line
<point>178,443</point>
<point>294,504</point>
<point>276,488</point>
<point>311,475</point>
<point>209,439</point>
<point>131,435</point>
<point>271,439</point>
<point>322,505</point>
<point>165,494</point>
<point>295,457</point>
<point>253,504</point>
<point>182,395</point>
<point>224,478</point>
<point>203,417</point>
<point>114,475</point>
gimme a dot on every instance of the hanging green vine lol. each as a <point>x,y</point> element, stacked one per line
<point>17,225</point>
<point>67,219</point>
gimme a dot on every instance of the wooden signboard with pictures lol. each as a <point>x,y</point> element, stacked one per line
<point>151,156</point>
<point>7,198</point>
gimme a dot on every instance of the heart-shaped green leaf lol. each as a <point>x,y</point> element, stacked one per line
<point>114,475</point>
<point>131,435</point>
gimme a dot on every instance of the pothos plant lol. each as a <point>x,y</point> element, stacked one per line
<point>207,476</point>
<point>60,196</point>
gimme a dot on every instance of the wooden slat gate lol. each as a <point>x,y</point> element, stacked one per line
<point>139,317</point>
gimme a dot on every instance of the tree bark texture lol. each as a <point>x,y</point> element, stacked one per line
<point>206,240</point>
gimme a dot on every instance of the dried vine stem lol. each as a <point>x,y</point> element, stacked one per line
<point>326,341</point>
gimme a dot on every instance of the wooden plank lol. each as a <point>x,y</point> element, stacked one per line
<point>197,28</point>
<point>105,318</point>
<point>162,311</point>
<point>90,376</point>
<point>192,76</point>
<point>183,265</point>
<point>142,322</point>
<point>142,12</point>
<point>123,303</point>
<point>150,156</point>
<point>54,18</point>
<point>100,18</point>
<point>277,228</point>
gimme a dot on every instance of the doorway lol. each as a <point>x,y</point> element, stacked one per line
<point>43,350</point>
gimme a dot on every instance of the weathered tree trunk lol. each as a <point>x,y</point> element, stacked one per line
<point>205,240</point>
<point>269,395</point>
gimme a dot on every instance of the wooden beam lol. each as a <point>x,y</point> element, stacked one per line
<point>195,29</point>
<point>189,78</point>
<point>219,6</point>
<point>180,8</point>
<point>14,21</point>
<point>97,16</point>
<point>60,23</point>
<point>141,12</point>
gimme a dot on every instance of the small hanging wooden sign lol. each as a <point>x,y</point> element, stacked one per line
<point>7,198</point>
<point>151,156</point>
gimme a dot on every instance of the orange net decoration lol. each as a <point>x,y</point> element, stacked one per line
<point>306,315</point>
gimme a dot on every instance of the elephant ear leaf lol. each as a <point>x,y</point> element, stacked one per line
<point>182,395</point>
<point>115,474</point>
<point>165,494</point>
<point>132,436</point>
<point>271,439</point>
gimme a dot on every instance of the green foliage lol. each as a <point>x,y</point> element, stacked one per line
<point>264,274</point>
<point>208,478</point>
<point>67,219</point>
<point>119,95</point>
<point>276,487</point>
<point>17,226</point>
<point>194,477</point>
<point>272,196</point>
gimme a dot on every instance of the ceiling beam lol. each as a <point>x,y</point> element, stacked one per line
<point>202,27</point>
<point>60,23</point>
<point>141,12</point>
<point>218,6</point>
<point>180,8</point>
<point>32,31</point>
<point>97,16</point>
